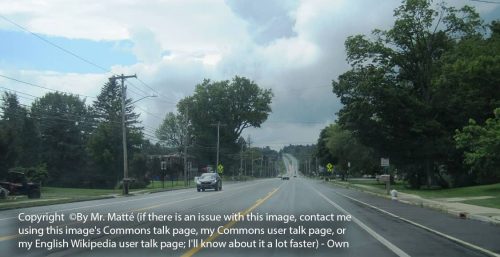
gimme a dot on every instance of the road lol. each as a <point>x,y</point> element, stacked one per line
<point>376,228</point>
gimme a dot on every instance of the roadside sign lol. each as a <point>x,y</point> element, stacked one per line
<point>163,165</point>
<point>329,167</point>
<point>384,162</point>
<point>384,178</point>
<point>220,168</point>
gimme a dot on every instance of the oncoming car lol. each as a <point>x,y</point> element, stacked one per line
<point>209,181</point>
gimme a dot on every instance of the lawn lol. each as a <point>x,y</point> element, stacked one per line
<point>57,195</point>
<point>483,190</point>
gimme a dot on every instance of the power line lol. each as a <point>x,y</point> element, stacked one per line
<point>54,44</point>
<point>485,1</point>
<point>19,92</point>
<point>75,54</point>
<point>43,87</point>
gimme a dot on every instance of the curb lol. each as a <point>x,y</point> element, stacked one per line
<point>433,206</point>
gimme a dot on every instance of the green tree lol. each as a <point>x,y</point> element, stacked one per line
<point>13,115</point>
<point>237,104</point>
<point>345,149</point>
<point>322,152</point>
<point>19,137</point>
<point>389,97</point>
<point>62,123</point>
<point>105,143</point>
<point>481,145</point>
<point>173,131</point>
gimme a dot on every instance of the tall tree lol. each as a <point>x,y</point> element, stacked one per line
<point>62,124</point>
<point>105,143</point>
<point>237,104</point>
<point>12,122</point>
<point>388,95</point>
<point>345,149</point>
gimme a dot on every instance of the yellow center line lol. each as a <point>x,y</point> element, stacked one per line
<point>230,224</point>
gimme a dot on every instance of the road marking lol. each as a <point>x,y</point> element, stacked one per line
<point>230,224</point>
<point>126,201</point>
<point>10,237</point>
<point>370,231</point>
<point>454,239</point>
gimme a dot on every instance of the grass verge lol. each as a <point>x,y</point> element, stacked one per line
<point>492,191</point>
<point>58,195</point>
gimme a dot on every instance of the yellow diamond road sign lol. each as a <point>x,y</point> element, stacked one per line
<point>220,168</point>
<point>329,167</point>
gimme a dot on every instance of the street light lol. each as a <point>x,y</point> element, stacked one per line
<point>142,98</point>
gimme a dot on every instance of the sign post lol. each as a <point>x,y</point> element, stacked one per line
<point>163,166</point>
<point>220,169</point>
<point>329,168</point>
<point>384,162</point>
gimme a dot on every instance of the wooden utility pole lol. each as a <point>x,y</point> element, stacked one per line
<point>186,135</point>
<point>124,130</point>
<point>218,124</point>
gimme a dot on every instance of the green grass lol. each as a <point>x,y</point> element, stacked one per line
<point>483,190</point>
<point>57,195</point>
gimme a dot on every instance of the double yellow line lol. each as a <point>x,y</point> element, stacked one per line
<point>230,224</point>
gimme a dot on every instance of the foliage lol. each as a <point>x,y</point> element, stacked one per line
<point>396,94</point>
<point>236,104</point>
<point>345,149</point>
<point>105,143</point>
<point>61,124</point>
<point>173,131</point>
<point>481,145</point>
<point>38,174</point>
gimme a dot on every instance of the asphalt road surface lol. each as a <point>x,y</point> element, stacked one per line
<point>376,228</point>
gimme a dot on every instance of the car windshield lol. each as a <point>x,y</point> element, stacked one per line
<point>207,176</point>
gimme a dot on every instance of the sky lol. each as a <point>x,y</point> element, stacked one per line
<point>294,47</point>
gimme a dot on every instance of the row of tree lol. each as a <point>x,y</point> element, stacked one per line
<point>226,108</point>
<point>419,93</point>
<point>61,141</point>
<point>71,143</point>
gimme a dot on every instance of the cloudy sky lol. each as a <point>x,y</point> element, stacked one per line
<point>294,47</point>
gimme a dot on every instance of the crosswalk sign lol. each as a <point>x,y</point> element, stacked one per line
<point>220,168</point>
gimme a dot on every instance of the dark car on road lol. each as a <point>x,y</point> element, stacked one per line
<point>209,181</point>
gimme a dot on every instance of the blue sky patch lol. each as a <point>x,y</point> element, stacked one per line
<point>21,50</point>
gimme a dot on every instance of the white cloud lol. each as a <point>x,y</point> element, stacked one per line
<point>295,48</point>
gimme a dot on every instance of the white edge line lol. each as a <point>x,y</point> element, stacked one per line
<point>454,239</point>
<point>370,231</point>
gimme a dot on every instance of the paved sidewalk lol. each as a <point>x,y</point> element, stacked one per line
<point>462,210</point>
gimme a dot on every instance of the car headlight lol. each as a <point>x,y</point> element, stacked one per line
<point>198,182</point>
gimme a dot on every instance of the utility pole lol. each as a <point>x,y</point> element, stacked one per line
<point>185,148</point>
<point>241,159</point>
<point>124,130</point>
<point>218,136</point>
<point>249,140</point>
<point>261,163</point>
